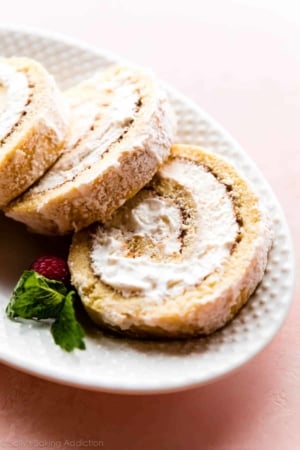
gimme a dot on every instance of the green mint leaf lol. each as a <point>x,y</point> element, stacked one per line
<point>66,330</point>
<point>36,297</point>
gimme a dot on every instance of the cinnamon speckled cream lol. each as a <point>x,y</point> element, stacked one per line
<point>153,218</point>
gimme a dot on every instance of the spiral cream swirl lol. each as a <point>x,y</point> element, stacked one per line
<point>167,264</point>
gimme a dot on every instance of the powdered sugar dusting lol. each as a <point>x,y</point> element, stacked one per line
<point>14,92</point>
<point>96,123</point>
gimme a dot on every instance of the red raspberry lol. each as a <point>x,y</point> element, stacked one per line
<point>52,267</point>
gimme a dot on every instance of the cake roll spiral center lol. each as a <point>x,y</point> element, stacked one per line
<point>157,220</point>
<point>14,94</point>
<point>154,222</point>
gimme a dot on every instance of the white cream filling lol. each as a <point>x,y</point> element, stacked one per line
<point>118,108</point>
<point>14,93</point>
<point>153,217</point>
<point>158,220</point>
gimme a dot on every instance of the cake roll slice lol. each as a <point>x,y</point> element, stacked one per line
<point>33,125</point>
<point>121,132</point>
<point>180,258</point>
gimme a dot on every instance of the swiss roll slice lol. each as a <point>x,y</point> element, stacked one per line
<point>181,257</point>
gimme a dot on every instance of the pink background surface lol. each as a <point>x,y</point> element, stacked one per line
<point>240,61</point>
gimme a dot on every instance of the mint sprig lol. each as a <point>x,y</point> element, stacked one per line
<point>37,297</point>
<point>66,331</point>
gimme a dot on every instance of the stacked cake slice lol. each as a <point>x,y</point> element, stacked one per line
<point>120,133</point>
